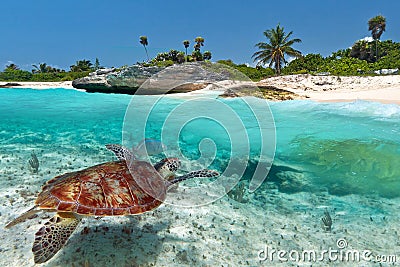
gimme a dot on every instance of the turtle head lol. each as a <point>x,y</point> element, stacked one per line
<point>167,167</point>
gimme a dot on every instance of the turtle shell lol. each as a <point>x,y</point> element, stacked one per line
<point>106,189</point>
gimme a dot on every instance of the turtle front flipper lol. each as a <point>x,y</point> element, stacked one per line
<point>121,152</point>
<point>194,174</point>
<point>23,217</point>
<point>53,236</point>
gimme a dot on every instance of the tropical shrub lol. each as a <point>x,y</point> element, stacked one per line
<point>165,63</point>
<point>345,66</point>
<point>307,64</point>
<point>70,76</point>
<point>359,59</point>
<point>254,74</point>
<point>173,56</point>
<point>46,77</point>
<point>197,55</point>
<point>363,50</point>
<point>389,61</point>
<point>15,75</point>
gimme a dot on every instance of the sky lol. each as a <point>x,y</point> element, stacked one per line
<point>61,32</point>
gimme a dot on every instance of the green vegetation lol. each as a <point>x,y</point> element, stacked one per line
<point>254,74</point>
<point>357,60</point>
<point>363,58</point>
<point>275,49</point>
<point>81,66</point>
<point>307,64</point>
<point>166,59</point>
<point>44,68</point>
<point>45,73</point>
<point>15,75</point>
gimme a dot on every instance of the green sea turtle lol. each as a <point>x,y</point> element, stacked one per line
<point>108,189</point>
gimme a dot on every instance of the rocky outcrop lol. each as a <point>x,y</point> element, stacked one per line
<point>138,79</point>
<point>125,80</point>
<point>180,78</point>
<point>264,91</point>
<point>8,85</point>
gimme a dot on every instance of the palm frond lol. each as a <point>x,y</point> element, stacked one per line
<point>273,51</point>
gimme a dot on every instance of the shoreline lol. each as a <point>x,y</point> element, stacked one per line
<point>382,89</point>
<point>39,85</point>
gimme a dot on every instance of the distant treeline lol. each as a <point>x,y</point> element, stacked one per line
<point>46,73</point>
<point>360,59</point>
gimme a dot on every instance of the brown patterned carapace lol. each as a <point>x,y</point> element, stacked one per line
<point>105,189</point>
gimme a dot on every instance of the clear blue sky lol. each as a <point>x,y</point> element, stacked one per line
<point>62,32</point>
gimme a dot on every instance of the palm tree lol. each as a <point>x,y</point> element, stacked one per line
<point>97,64</point>
<point>42,68</point>
<point>275,49</point>
<point>377,25</point>
<point>199,42</point>
<point>82,65</point>
<point>144,42</point>
<point>186,44</point>
<point>11,67</point>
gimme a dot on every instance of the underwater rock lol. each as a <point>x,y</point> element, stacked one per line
<point>351,166</point>
<point>268,92</point>
<point>292,182</point>
<point>238,192</point>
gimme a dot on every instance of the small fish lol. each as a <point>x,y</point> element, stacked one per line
<point>149,147</point>
<point>327,221</point>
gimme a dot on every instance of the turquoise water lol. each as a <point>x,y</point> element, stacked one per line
<point>339,157</point>
<point>342,148</point>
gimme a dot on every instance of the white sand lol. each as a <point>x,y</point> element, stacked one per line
<point>42,85</point>
<point>385,89</point>
<point>225,233</point>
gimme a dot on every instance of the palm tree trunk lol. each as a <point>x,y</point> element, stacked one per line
<point>376,49</point>
<point>146,53</point>
<point>278,65</point>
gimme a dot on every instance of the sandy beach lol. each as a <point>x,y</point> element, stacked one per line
<point>38,85</point>
<point>384,89</point>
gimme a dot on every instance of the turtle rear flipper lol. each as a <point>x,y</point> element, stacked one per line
<point>53,236</point>
<point>23,217</point>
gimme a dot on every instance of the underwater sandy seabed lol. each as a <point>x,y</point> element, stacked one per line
<point>225,233</point>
